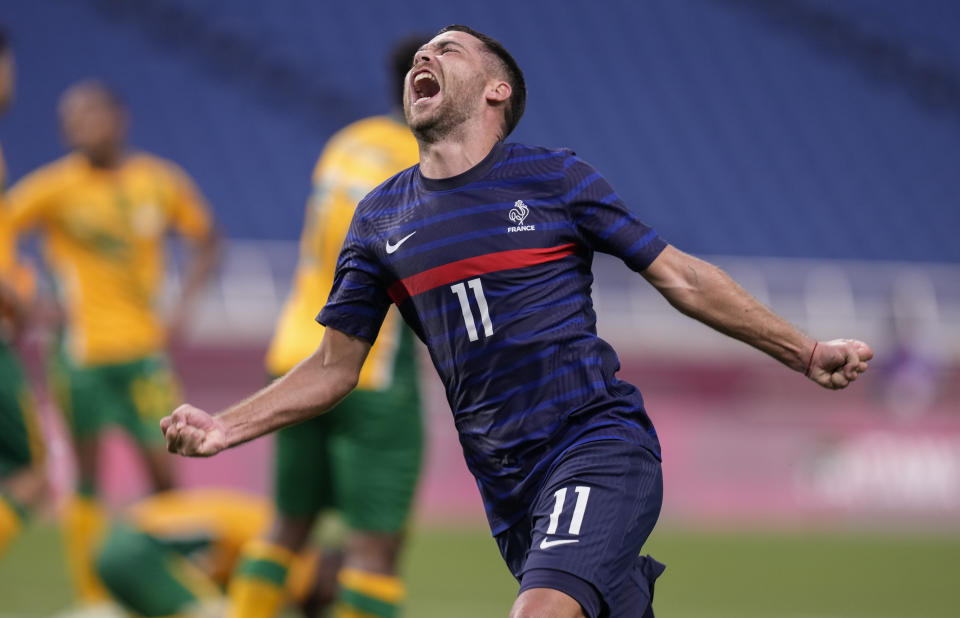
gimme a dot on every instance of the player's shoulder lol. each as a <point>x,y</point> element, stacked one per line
<point>150,163</point>
<point>373,131</point>
<point>380,143</point>
<point>563,163</point>
<point>529,158</point>
<point>513,149</point>
<point>67,166</point>
<point>374,127</point>
<point>55,174</point>
<point>391,191</point>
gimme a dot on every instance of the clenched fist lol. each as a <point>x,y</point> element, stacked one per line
<point>835,364</point>
<point>192,432</point>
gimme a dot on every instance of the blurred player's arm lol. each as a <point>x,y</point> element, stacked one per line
<point>25,208</point>
<point>312,387</point>
<point>201,262</point>
<point>193,221</point>
<point>12,314</point>
<point>11,311</point>
<point>706,293</point>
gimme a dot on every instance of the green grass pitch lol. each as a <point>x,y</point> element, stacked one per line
<point>722,574</point>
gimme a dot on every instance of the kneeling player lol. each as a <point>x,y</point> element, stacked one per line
<point>172,553</point>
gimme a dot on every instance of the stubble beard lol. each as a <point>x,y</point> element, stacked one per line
<point>439,125</point>
<point>444,121</point>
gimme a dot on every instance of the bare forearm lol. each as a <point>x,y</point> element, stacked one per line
<point>706,293</point>
<point>312,387</point>
<point>203,259</point>
<point>309,389</point>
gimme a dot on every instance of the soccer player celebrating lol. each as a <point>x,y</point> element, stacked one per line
<point>363,458</point>
<point>22,473</point>
<point>104,213</point>
<point>486,249</point>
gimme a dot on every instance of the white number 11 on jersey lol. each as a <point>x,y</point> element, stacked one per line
<point>461,291</point>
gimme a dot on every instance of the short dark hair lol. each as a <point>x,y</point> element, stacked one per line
<point>111,96</point>
<point>518,97</point>
<point>401,59</point>
<point>4,41</point>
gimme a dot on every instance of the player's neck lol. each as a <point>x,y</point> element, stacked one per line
<point>455,153</point>
<point>105,160</point>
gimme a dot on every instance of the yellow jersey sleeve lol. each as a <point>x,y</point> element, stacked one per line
<point>19,277</point>
<point>21,209</point>
<point>190,214</point>
<point>30,201</point>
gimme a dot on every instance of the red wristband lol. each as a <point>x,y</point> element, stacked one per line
<point>810,362</point>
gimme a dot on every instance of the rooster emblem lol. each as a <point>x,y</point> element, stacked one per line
<point>519,212</point>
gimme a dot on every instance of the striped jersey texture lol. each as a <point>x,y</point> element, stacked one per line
<point>492,270</point>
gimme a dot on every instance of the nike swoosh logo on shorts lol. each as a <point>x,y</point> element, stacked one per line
<point>392,248</point>
<point>547,544</point>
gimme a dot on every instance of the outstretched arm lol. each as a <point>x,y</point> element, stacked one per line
<point>312,387</point>
<point>706,293</point>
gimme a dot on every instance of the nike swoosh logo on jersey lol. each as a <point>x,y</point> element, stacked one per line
<point>392,248</point>
<point>547,544</point>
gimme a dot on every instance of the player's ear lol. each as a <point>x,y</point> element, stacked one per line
<point>498,91</point>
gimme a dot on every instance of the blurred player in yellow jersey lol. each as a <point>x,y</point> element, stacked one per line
<point>104,213</point>
<point>22,476</point>
<point>171,554</point>
<point>361,460</point>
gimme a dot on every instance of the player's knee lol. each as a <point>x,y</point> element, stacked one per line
<point>291,532</point>
<point>374,552</point>
<point>546,603</point>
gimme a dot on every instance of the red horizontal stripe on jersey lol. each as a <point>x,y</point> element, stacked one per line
<point>471,267</point>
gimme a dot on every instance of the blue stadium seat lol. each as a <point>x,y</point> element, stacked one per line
<point>730,128</point>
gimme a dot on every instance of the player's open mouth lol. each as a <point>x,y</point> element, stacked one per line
<point>425,86</point>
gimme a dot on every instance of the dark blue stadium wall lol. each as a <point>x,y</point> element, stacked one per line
<point>734,128</point>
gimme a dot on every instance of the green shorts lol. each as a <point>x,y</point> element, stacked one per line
<point>362,458</point>
<point>21,442</point>
<point>134,395</point>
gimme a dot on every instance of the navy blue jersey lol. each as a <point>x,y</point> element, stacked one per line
<point>492,270</point>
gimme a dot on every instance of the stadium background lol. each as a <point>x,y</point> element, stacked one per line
<point>810,147</point>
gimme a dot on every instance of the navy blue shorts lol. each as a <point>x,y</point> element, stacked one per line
<point>587,525</point>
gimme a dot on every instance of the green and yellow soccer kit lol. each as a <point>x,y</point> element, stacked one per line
<point>104,232</point>
<point>175,550</point>
<point>21,444</point>
<point>21,441</point>
<point>362,458</point>
<point>19,436</point>
<point>134,396</point>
